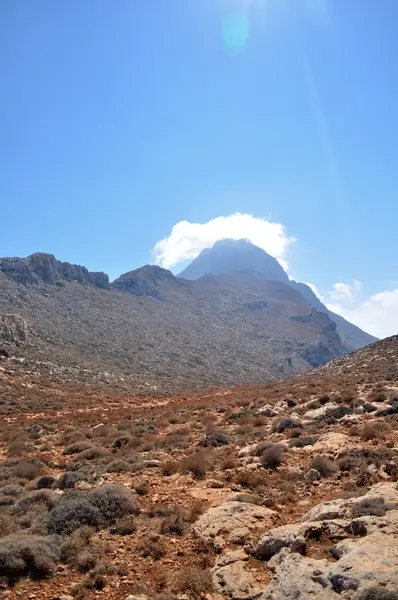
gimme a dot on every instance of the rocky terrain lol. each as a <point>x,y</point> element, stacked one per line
<point>284,491</point>
<point>149,331</point>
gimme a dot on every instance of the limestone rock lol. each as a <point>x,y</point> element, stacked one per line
<point>320,412</point>
<point>224,519</point>
<point>287,536</point>
<point>14,329</point>
<point>236,583</point>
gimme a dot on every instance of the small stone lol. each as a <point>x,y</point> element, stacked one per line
<point>312,476</point>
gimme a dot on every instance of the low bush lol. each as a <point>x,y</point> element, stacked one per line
<point>77,447</point>
<point>42,499</point>
<point>114,501</point>
<point>69,479</point>
<point>173,523</point>
<point>193,581</point>
<point>27,555</point>
<point>377,593</point>
<point>141,487</point>
<point>26,468</point>
<point>126,525</point>
<point>323,465</point>
<point>45,482</point>
<point>152,546</point>
<point>78,542</point>
<point>73,510</point>
<point>214,439</point>
<point>169,467</point>
<point>121,441</point>
<point>374,431</point>
<point>197,464</point>
<point>272,457</point>
<point>302,441</point>
<point>282,424</point>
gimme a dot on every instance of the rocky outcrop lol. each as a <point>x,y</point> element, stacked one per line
<point>218,523</point>
<point>361,554</point>
<point>45,268</point>
<point>145,281</point>
<point>14,329</point>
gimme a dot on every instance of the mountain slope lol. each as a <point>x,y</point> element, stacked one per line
<point>227,256</point>
<point>151,328</point>
<point>352,336</point>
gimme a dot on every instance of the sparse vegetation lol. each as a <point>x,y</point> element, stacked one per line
<point>323,465</point>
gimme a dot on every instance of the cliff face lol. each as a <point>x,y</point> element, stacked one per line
<point>45,268</point>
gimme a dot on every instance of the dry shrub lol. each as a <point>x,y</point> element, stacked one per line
<point>272,457</point>
<point>173,523</point>
<point>92,453</point>
<point>323,465</point>
<point>194,510</point>
<point>193,582</point>
<point>250,479</point>
<point>151,545</point>
<point>126,525</point>
<point>197,464</point>
<point>77,447</point>
<point>45,482</point>
<point>7,525</point>
<point>249,498</point>
<point>141,487</point>
<point>114,501</point>
<point>16,448</point>
<point>282,424</point>
<point>69,479</point>
<point>227,462</point>
<point>302,441</point>
<point>73,510</point>
<point>27,555</point>
<point>169,467</point>
<point>121,441</point>
<point>374,431</point>
<point>76,543</point>
<point>26,468</point>
<point>378,396</point>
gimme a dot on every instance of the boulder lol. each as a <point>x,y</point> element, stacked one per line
<point>320,412</point>
<point>235,582</point>
<point>221,521</point>
<point>365,562</point>
<point>287,536</point>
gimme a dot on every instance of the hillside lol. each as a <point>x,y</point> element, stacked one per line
<point>150,329</point>
<point>275,492</point>
<point>227,256</point>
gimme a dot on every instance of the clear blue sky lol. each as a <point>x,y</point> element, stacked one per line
<point>119,118</point>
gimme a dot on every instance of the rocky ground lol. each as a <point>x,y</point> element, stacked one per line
<point>282,492</point>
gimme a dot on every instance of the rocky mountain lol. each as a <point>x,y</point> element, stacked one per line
<point>227,256</point>
<point>235,255</point>
<point>151,330</point>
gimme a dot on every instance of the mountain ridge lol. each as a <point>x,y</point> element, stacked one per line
<point>151,328</point>
<point>222,259</point>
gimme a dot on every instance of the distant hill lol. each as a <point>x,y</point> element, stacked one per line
<point>151,331</point>
<point>227,256</point>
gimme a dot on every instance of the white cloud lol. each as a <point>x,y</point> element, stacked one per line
<point>187,240</point>
<point>377,315</point>
<point>345,292</point>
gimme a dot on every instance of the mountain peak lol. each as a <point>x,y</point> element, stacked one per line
<point>228,255</point>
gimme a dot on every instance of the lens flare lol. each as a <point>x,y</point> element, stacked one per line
<point>236,31</point>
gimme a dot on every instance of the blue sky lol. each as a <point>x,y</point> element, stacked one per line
<point>119,120</point>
